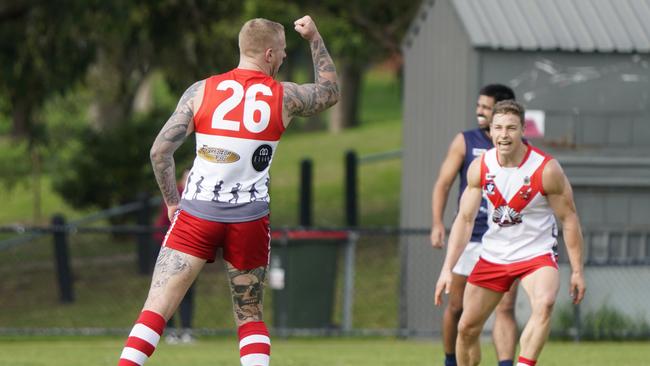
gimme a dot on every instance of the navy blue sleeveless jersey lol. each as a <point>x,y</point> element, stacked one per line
<point>476,143</point>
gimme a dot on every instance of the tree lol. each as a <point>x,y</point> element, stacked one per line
<point>113,48</point>
<point>352,53</point>
<point>360,32</point>
<point>111,167</point>
<point>43,50</point>
<point>182,40</point>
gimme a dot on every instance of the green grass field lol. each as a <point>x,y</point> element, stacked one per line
<point>211,351</point>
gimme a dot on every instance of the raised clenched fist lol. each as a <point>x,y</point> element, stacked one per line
<point>306,27</point>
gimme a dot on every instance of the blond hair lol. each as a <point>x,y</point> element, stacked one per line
<point>509,106</point>
<point>259,34</point>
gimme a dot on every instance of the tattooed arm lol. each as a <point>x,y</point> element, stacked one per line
<point>309,99</point>
<point>170,137</point>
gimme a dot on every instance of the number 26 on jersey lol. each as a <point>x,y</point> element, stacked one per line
<point>251,105</point>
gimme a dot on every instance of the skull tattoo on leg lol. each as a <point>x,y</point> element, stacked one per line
<point>247,288</point>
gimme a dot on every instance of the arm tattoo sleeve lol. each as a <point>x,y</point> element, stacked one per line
<point>309,99</point>
<point>170,137</point>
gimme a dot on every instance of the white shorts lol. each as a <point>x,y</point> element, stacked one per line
<point>468,259</point>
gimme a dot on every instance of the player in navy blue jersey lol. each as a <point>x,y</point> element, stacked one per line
<point>465,147</point>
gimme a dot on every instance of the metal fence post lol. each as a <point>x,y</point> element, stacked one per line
<point>348,281</point>
<point>62,259</point>
<point>305,205</point>
<point>350,185</point>
<point>144,249</point>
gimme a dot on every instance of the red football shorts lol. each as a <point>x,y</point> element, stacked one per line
<point>499,277</point>
<point>246,245</point>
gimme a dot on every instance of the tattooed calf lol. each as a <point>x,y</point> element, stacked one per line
<point>247,288</point>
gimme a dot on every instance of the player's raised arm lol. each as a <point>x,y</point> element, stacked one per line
<point>560,198</point>
<point>461,230</point>
<point>171,136</point>
<point>308,99</point>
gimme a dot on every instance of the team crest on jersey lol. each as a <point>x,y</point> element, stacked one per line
<point>217,155</point>
<point>489,187</point>
<point>262,157</point>
<point>506,216</point>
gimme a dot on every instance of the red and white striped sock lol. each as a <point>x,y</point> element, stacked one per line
<point>254,344</point>
<point>143,339</point>
<point>523,361</point>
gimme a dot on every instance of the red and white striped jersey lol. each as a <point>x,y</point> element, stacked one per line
<point>238,127</point>
<point>521,224</point>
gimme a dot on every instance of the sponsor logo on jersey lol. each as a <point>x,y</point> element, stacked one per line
<point>506,216</point>
<point>217,155</point>
<point>478,151</point>
<point>262,157</point>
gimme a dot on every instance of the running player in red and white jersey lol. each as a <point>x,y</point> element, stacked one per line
<point>464,148</point>
<point>238,118</point>
<point>524,188</point>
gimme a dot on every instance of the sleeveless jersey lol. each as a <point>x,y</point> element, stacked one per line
<point>520,220</point>
<point>476,143</point>
<point>238,127</point>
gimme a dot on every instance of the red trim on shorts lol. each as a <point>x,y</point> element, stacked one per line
<point>500,277</point>
<point>246,245</point>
